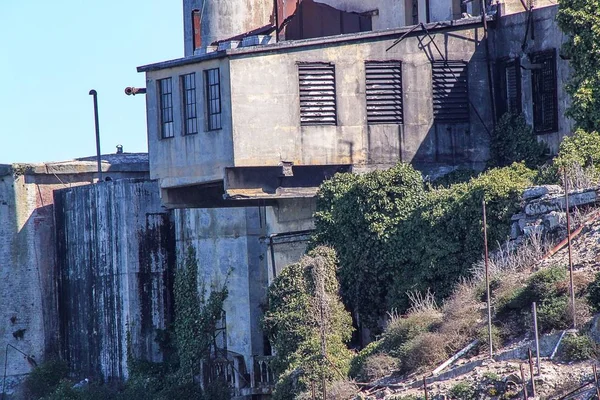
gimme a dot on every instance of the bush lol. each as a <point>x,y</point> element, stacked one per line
<point>513,141</point>
<point>402,329</point>
<point>377,366</point>
<point>298,297</point>
<point>357,362</point>
<point>45,378</point>
<point>578,348</point>
<point>580,154</point>
<point>392,236</point>
<point>462,391</point>
<point>425,350</point>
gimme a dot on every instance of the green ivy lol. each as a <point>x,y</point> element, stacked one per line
<point>298,312</point>
<point>514,141</point>
<point>393,236</point>
<point>580,21</point>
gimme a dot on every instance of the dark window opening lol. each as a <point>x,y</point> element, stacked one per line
<point>190,116</point>
<point>384,92</point>
<point>415,12</point>
<point>213,99</point>
<point>317,94</point>
<point>510,87</point>
<point>543,82</point>
<point>450,91</point>
<point>197,28</point>
<point>165,91</point>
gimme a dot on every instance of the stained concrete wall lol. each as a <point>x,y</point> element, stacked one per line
<point>266,112</point>
<point>116,254</point>
<point>229,249</point>
<point>28,296</point>
<point>508,40</point>
<point>181,159</point>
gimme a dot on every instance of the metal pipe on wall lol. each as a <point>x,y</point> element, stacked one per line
<point>95,95</point>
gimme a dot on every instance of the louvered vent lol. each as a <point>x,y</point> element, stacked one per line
<point>545,104</point>
<point>317,94</point>
<point>450,91</point>
<point>513,93</point>
<point>384,93</point>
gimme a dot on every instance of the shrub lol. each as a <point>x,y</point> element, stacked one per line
<point>425,350</point>
<point>580,154</point>
<point>377,366</point>
<point>303,302</point>
<point>460,175</point>
<point>45,378</point>
<point>513,141</point>
<point>462,391</point>
<point>402,329</point>
<point>357,362</point>
<point>578,348</point>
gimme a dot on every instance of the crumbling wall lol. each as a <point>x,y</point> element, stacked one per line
<point>115,251</point>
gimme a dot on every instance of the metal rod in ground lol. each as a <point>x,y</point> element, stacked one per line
<point>571,286</point>
<point>487,280</point>
<point>537,338</point>
<point>99,161</point>
<point>531,372</point>
<point>523,382</point>
<point>425,388</point>
<point>596,381</point>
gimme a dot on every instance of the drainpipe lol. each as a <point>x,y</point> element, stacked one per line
<point>95,95</point>
<point>272,256</point>
<point>489,63</point>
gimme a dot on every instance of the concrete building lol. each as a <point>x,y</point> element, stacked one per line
<point>28,272</point>
<point>273,97</point>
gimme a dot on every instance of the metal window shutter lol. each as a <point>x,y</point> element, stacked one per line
<point>384,93</point>
<point>450,91</point>
<point>545,104</point>
<point>317,94</point>
<point>512,87</point>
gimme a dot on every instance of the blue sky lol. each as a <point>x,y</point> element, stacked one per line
<point>53,52</point>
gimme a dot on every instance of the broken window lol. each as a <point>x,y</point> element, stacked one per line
<point>165,93</point>
<point>213,99</point>
<point>317,94</point>
<point>384,92</point>
<point>450,91</point>
<point>509,86</point>
<point>543,83</point>
<point>190,116</point>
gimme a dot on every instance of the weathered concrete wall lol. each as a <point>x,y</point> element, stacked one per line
<point>115,252</point>
<point>29,312</point>
<point>181,159</point>
<point>228,248</point>
<point>508,40</point>
<point>516,7</point>
<point>266,112</point>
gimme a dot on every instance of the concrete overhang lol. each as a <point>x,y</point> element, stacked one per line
<point>279,182</point>
<point>326,41</point>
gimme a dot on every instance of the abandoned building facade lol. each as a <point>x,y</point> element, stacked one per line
<point>271,98</point>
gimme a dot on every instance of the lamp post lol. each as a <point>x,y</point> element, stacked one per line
<point>95,95</point>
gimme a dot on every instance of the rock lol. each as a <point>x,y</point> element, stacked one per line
<point>515,230</point>
<point>539,191</point>
<point>530,230</point>
<point>554,220</point>
<point>547,204</point>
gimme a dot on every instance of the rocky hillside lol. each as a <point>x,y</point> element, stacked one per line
<point>523,271</point>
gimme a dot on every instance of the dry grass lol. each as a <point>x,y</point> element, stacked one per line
<point>342,390</point>
<point>579,177</point>
<point>424,351</point>
<point>462,316</point>
<point>378,366</point>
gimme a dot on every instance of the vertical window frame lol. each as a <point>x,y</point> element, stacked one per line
<point>189,104</point>
<point>384,92</point>
<point>544,97</point>
<point>165,106</point>
<point>212,79</point>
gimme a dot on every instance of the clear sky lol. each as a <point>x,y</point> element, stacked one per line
<point>53,52</point>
